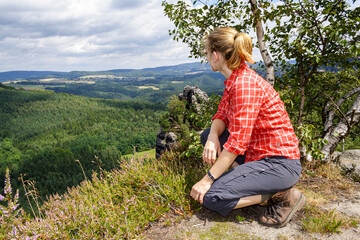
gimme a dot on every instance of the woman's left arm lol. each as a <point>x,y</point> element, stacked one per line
<point>224,161</point>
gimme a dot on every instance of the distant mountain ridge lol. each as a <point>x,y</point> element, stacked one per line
<point>28,75</point>
<point>23,75</point>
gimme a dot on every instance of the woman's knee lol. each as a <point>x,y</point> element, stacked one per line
<point>222,206</point>
<point>210,201</point>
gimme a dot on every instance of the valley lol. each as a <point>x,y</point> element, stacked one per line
<point>151,84</point>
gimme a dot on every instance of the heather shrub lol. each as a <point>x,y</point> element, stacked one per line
<point>113,205</point>
<point>11,216</point>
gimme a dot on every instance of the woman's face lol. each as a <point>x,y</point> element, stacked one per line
<point>215,60</point>
<point>211,59</point>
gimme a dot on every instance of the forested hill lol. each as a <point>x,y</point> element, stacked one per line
<point>149,84</point>
<point>22,75</point>
<point>43,133</point>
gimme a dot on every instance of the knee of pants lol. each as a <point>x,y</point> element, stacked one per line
<point>214,203</point>
<point>210,201</point>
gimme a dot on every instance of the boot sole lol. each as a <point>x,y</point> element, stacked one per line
<point>299,204</point>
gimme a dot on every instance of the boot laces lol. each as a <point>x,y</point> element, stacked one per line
<point>271,211</point>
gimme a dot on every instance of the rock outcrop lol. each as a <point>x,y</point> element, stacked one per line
<point>349,161</point>
<point>165,141</point>
<point>194,97</point>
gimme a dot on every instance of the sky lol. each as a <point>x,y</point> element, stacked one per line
<point>89,35</point>
<point>86,35</point>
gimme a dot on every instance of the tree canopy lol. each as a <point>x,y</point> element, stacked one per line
<point>306,39</point>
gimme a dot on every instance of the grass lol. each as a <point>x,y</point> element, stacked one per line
<point>149,154</point>
<point>152,87</point>
<point>327,222</point>
<point>321,184</point>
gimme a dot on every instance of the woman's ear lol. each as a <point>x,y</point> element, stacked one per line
<point>216,56</point>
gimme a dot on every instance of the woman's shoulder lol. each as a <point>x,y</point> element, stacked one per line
<point>249,76</point>
<point>249,79</point>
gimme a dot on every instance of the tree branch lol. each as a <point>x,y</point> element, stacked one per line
<point>201,2</point>
<point>335,4</point>
<point>331,114</point>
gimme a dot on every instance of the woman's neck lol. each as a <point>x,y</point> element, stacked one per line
<point>218,63</point>
<point>226,72</point>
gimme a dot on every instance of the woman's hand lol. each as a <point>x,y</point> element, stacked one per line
<point>212,149</point>
<point>199,190</point>
<point>224,161</point>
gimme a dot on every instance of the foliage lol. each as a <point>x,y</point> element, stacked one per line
<point>114,205</point>
<point>9,155</point>
<point>316,34</point>
<point>192,23</point>
<point>313,144</point>
<point>324,32</point>
<point>186,122</point>
<point>192,145</point>
<point>202,119</point>
<point>42,134</point>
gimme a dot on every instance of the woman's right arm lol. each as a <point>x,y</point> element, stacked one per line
<point>212,148</point>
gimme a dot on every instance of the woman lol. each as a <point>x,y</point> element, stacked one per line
<point>252,133</point>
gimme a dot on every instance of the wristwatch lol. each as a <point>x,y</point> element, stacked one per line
<point>211,176</point>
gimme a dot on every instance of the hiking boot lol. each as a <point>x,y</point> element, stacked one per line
<point>282,207</point>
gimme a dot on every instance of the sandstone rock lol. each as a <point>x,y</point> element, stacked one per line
<point>350,161</point>
<point>335,156</point>
<point>164,142</point>
<point>194,96</point>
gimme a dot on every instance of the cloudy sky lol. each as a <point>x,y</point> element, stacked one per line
<point>66,35</point>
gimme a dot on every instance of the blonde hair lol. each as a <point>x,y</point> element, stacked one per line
<point>236,47</point>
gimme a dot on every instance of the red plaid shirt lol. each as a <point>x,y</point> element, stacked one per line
<point>256,118</point>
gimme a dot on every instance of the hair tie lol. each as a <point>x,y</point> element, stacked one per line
<point>236,35</point>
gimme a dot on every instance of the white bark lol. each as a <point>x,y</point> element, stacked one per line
<point>335,134</point>
<point>270,72</point>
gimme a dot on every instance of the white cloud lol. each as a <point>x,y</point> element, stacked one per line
<point>86,35</point>
<point>71,35</point>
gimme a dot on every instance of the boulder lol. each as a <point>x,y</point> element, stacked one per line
<point>194,97</point>
<point>164,142</point>
<point>349,161</point>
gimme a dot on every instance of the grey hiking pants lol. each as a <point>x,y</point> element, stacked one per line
<point>267,175</point>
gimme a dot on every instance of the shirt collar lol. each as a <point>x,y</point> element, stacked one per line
<point>237,71</point>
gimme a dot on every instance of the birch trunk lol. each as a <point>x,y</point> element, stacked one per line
<point>336,133</point>
<point>270,72</point>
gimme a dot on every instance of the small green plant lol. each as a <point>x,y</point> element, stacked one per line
<point>240,218</point>
<point>354,223</point>
<point>323,222</point>
<point>313,144</point>
<point>192,145</point>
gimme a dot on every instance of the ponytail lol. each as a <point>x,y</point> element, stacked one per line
<point>235,47</point>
